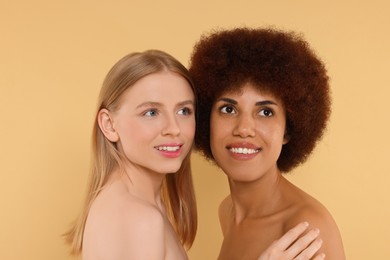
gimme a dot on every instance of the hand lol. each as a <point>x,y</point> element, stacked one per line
<point>289,247</point>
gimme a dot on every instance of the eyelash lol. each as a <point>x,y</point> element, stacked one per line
<point>225,107</point>
<point>266,110</point>
<point>148,113</point>
<point>182,111</point>
<point>188,111</point>
<point>263,112</point>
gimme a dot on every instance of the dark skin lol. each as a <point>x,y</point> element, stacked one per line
<point>262,204</point>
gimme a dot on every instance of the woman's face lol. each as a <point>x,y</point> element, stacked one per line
<point>247,133</point>
<point>155,122</point>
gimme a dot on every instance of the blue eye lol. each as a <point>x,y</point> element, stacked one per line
<point>266,112</point>
<point>227,110</point>
<point>151,113</point>
<point>185,111</point>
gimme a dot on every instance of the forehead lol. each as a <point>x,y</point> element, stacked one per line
<point>250,89</point>
<point>160,85</point>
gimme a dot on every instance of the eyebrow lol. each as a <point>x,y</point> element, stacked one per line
<point>258,103</point>
<point>265,102</point>
<point>149,104</point>
<point>186,102</point>
<point>158,104</point>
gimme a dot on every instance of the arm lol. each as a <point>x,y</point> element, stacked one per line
<point>144,237</point>
<point>318,216</point>
<point>122,232</point>
<point>292,246</point>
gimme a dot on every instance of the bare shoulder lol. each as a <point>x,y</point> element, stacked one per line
<point>225,206</point>
<point>311,210</point>
<point>224,211</point>
<point>126,226</point>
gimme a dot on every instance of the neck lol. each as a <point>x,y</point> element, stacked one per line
<point>258,198</point>
<point>142,183</point>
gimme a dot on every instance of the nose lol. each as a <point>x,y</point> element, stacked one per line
<point>171,126</point>
<point>245,126</point>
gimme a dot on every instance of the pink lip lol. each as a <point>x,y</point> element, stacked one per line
<point>243,145</point>
<point>171,150</point>
<point>243,156</point>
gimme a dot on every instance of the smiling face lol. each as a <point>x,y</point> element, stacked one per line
<point>247,132</point>
<point>154,124</point>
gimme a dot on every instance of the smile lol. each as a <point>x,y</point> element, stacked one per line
<point>168,148</point>
<point>240,150</point>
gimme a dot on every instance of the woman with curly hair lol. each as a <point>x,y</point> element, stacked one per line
<point>263,104</point>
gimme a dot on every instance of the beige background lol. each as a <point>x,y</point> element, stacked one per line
<point>54,55</point>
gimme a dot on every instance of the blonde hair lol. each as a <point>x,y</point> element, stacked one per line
<point>177,190</point>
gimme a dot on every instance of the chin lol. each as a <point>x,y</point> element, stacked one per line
<point>241,176</point>
<point>168,169</point>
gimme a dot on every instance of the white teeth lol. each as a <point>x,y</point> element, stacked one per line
<point>168,148</point>
<point>244,150</point>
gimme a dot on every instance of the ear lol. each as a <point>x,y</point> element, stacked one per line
<point>106,125</point>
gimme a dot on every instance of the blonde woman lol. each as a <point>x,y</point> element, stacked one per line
<point>141,202</point>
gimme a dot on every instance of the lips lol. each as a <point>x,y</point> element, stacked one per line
<point>243,151</point>
<point>169,150</point>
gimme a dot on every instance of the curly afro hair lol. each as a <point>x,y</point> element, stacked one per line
<point>275,61</point>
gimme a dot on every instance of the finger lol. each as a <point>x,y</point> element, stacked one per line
<point>287,239</point>
<point>304,243</point>
<point>311,250</point>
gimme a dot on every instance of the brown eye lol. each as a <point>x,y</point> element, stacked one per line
<point>227,110</point>
<point>266,112</point>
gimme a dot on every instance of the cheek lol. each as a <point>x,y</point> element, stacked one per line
<point>218,125</point>
<point>272,133</point>
<point>137,131</point>
<point>219,130</point>
<point>188,128</point>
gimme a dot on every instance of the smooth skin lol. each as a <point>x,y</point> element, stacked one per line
<point>154,130</point>
<point>304,247</point>
<point>153,127</point>
<point>248,130</point>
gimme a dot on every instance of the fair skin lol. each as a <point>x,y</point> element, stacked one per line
<point>248,130</point>
<point>154,129</point>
